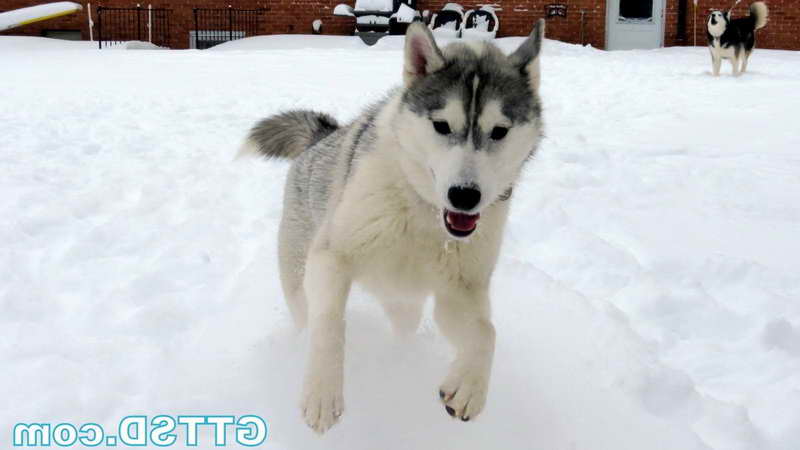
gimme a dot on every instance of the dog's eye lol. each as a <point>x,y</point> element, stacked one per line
<point>441,127</point>
<point>498,133</point>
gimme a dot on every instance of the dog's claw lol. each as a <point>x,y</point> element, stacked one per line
<point>464,393</point>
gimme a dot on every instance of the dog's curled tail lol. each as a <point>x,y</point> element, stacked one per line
<point>759,12</point>
<point>288,134</point>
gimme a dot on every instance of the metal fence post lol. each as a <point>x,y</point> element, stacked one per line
<point>230,23</point>
<point>166,31</point>
<point>100,27</point>
<point>138,22</point>
<point>150,23</point>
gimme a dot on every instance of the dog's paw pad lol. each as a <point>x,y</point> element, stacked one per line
<point>322,409</point>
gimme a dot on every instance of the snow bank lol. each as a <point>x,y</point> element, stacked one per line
<point>646,297</point>
<point>32,43</point>
<point>293,42</point>
<point>142,45</point>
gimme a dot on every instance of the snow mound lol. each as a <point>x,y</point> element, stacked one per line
<point>453,7</point>
<point>35,43</point>
<point>343,10</point>
<point>291,42</point>
<point>142,45</point>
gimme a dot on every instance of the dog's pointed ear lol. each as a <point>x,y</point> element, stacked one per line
<point>526,57</point>
<point>727,15</point>
<point>422,56</point>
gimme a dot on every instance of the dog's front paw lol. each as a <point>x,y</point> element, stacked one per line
<point>323,403</point>
<point>464,392</point>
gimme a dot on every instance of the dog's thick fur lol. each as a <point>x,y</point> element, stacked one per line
<point>393,201</point>
<point>734,39</point>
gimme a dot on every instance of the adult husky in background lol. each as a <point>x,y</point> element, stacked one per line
<point>734,39</point>
<point>409,200</point>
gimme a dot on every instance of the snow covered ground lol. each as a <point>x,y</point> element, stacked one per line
<point>648,296</point>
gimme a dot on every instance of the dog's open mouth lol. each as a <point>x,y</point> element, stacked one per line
<point>460,225</point>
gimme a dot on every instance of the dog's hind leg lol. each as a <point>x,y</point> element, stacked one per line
<point>745,60</point>
<point>327,284</point>
<point>404,313</point>
<point>735,65</point>
<point>294,238</point>
<point>735,58</point>
<point>292,245</point>
<point>463,316</point>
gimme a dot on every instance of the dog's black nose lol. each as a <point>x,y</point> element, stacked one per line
<point>464,197</point>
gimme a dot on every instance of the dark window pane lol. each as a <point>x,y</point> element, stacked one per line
<point>636,9</point>
<point>70,35</point>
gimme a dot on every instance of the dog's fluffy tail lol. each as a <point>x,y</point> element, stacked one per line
<point>288,134</point>
<point>759,13</point>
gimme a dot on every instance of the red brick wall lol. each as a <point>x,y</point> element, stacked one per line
<point>516,18</point>
<point>671,24</point>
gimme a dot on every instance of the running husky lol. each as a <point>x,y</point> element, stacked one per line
<point>734,39</point>
<point>409,200</point>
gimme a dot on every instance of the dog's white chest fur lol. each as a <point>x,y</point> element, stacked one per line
<point>396,242</point>
<point>721,52</point>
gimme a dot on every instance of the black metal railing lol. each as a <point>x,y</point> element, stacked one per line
<point>215,26</point>
<point>117,25</point>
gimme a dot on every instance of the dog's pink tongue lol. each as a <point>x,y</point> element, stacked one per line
<point>462,222</point>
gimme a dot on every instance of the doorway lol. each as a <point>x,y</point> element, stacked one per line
<point>634,24</point>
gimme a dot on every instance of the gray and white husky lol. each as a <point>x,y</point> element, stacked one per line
<point>409,200</point>
<point>734,39</point>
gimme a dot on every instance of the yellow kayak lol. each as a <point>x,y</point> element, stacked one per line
<point>24,16</point>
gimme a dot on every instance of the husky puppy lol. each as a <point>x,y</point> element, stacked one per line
<point>409,200</point>
<point>734,39</point>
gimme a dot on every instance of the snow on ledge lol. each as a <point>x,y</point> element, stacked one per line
<point>343,10</point>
